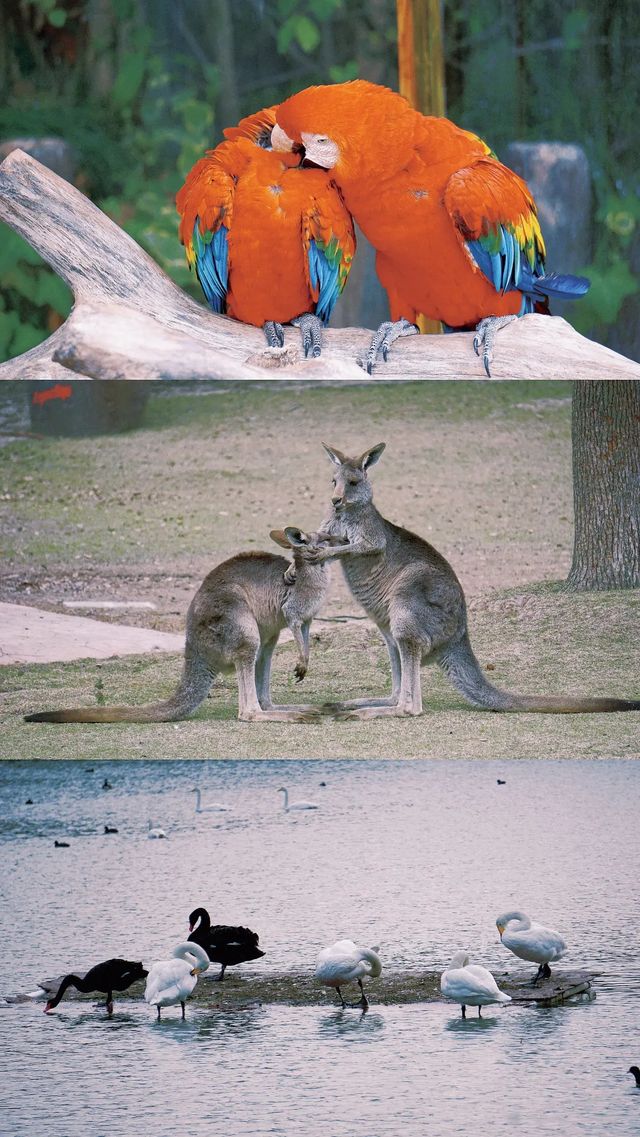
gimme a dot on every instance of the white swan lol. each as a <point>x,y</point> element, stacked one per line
<point>215,807</point>
<point>171,981</point>
<point>346,962</point>
<point>155,832</point>
<point>530,941</point>
<point>295,804</point>
<point>470,985</point>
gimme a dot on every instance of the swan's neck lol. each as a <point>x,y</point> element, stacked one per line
<point>196,952</point>
<point>373,960</point>
<point>286,798</point>
<point>68,981</point>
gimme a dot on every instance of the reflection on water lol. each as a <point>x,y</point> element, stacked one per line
<point>418,857</point>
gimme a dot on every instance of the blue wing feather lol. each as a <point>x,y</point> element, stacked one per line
<point>324,275</point>
<point>212,265</point>
<point>505,264</point>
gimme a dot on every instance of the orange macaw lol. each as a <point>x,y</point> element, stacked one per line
<point>270,245</point>
<point>456,232</point>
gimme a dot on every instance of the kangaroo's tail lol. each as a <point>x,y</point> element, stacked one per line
<point>193,688</point>
<point>462,668</point>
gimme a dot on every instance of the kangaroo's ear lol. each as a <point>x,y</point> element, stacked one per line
<point>280,538</point>
<point>336,456</point>
<point>370,457</point>
<point>295,536</point>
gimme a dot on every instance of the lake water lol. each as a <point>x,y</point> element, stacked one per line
<point>418,857</point>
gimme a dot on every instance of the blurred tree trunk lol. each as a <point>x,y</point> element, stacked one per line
<point>606,485</point>
<point>421,72</point>
<point>228,103</point>
<point>101,60</point>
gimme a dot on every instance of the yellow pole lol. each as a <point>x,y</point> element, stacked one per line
<point>421,70</point>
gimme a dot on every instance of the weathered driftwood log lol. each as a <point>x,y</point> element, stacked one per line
<point>130,321</point>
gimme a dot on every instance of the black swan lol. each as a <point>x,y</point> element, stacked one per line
<point>223,945</point>
<point>112,975</point>
<point>636,1073</point>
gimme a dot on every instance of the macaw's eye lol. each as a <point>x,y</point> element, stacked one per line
<point>322,140</point>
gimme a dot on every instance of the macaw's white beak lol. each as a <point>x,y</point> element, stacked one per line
<point>280,140</point>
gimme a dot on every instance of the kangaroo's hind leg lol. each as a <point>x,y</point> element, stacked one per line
<point>249,709</point>
<point>410,696</point>
<point>263,681</point>
<point>383,701</point>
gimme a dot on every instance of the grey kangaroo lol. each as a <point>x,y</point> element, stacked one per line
<point>234,620</point>
<point>415,598</point>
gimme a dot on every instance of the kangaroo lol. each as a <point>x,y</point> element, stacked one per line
<point>417,602</point>
<point>234,620</point>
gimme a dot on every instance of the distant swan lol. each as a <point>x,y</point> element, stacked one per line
<point>155,831</point>
<point>346,962</point>
<point>530,941</point>
<point>171,981</point>
<point>223,943</point>
<point>295,804</point>
<point>112,975</point>
<point>215,807</point>
<point>470,985</point>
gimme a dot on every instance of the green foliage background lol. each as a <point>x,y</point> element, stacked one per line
<point>140,88</point>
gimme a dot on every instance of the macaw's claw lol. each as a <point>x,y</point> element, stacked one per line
<point>311,331</point>
<point>484,338</point>
<point>386,334</point>
<point>274,333</point>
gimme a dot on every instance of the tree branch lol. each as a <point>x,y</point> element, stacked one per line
<point>131,321</point>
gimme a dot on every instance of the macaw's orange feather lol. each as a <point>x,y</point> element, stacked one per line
<point>287,238</point>
<point>432,198</point>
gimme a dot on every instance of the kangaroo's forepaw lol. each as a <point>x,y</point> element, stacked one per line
<point>300,670</point>
<point>485,337</point>
<point>311,331</point>
<point>383,338</point>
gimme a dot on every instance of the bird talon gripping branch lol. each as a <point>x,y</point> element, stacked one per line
<point>311,332</point>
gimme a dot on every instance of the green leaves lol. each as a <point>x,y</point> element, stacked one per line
<point>611,284</point>
<point>128,80</point>
<point>31,294</point>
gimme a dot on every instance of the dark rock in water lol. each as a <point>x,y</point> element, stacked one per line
<point>29,801</point>
<point>54,153</point>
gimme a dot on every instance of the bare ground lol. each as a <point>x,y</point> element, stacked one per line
<point>482,470</point>
<point>247,990</point>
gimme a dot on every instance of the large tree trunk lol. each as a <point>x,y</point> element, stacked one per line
<point>606,485</point>
<point>130,321</point>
